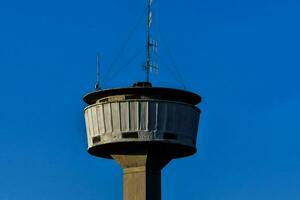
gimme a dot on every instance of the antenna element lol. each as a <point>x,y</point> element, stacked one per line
<point>151,45</point>
<point>97,85</point>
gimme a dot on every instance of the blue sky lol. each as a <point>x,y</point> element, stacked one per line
<point>241,56</point>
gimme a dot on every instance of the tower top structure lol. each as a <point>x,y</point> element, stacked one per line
<point>140,118</point>
<point>142,128</point>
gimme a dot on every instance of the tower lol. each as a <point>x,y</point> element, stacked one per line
<point>142,128</point>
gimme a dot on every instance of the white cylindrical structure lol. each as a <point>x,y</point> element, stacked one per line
<point>141,120</point>
<point>132,119</point>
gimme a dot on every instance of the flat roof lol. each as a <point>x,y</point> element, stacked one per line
<point>155,92</point>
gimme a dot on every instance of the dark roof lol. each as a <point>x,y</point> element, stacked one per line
<point>155,92</point>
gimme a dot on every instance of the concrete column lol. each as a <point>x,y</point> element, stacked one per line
<point>142,175</point>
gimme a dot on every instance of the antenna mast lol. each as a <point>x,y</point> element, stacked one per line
<point>150,44</point>
<point>97,86</point>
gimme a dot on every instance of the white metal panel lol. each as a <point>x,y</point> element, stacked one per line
<point>172,118</point>
<point>151,119</point>
<point>91,125</point>
<point>94,119</point>
<point>124,112</point>
<point>100,118</point>
<point>134,115</point>
<point>152,115</point>
<point>107,117</point>
<point>88,127</point>
<point>195,122</point>
<point>181,119</point>
<point>115,111</point>
<point>190,117</point>
<point>183,122</point>
<point>143,116</point>
<point>162,116</point>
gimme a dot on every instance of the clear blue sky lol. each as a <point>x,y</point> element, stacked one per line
<point>241,56</point>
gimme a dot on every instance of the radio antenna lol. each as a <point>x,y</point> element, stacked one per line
<point>149,66</point>
<point>97,85</point>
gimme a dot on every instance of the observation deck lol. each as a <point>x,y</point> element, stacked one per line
<point>142,118</point>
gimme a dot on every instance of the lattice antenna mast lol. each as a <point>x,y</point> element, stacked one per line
<point>150,43</point>
<point>97,85</point>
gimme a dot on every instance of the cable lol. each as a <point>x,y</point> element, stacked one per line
<point>175,75</point>
<point>123,47</point>
<point>173,64</point>
<point>122,67</point>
